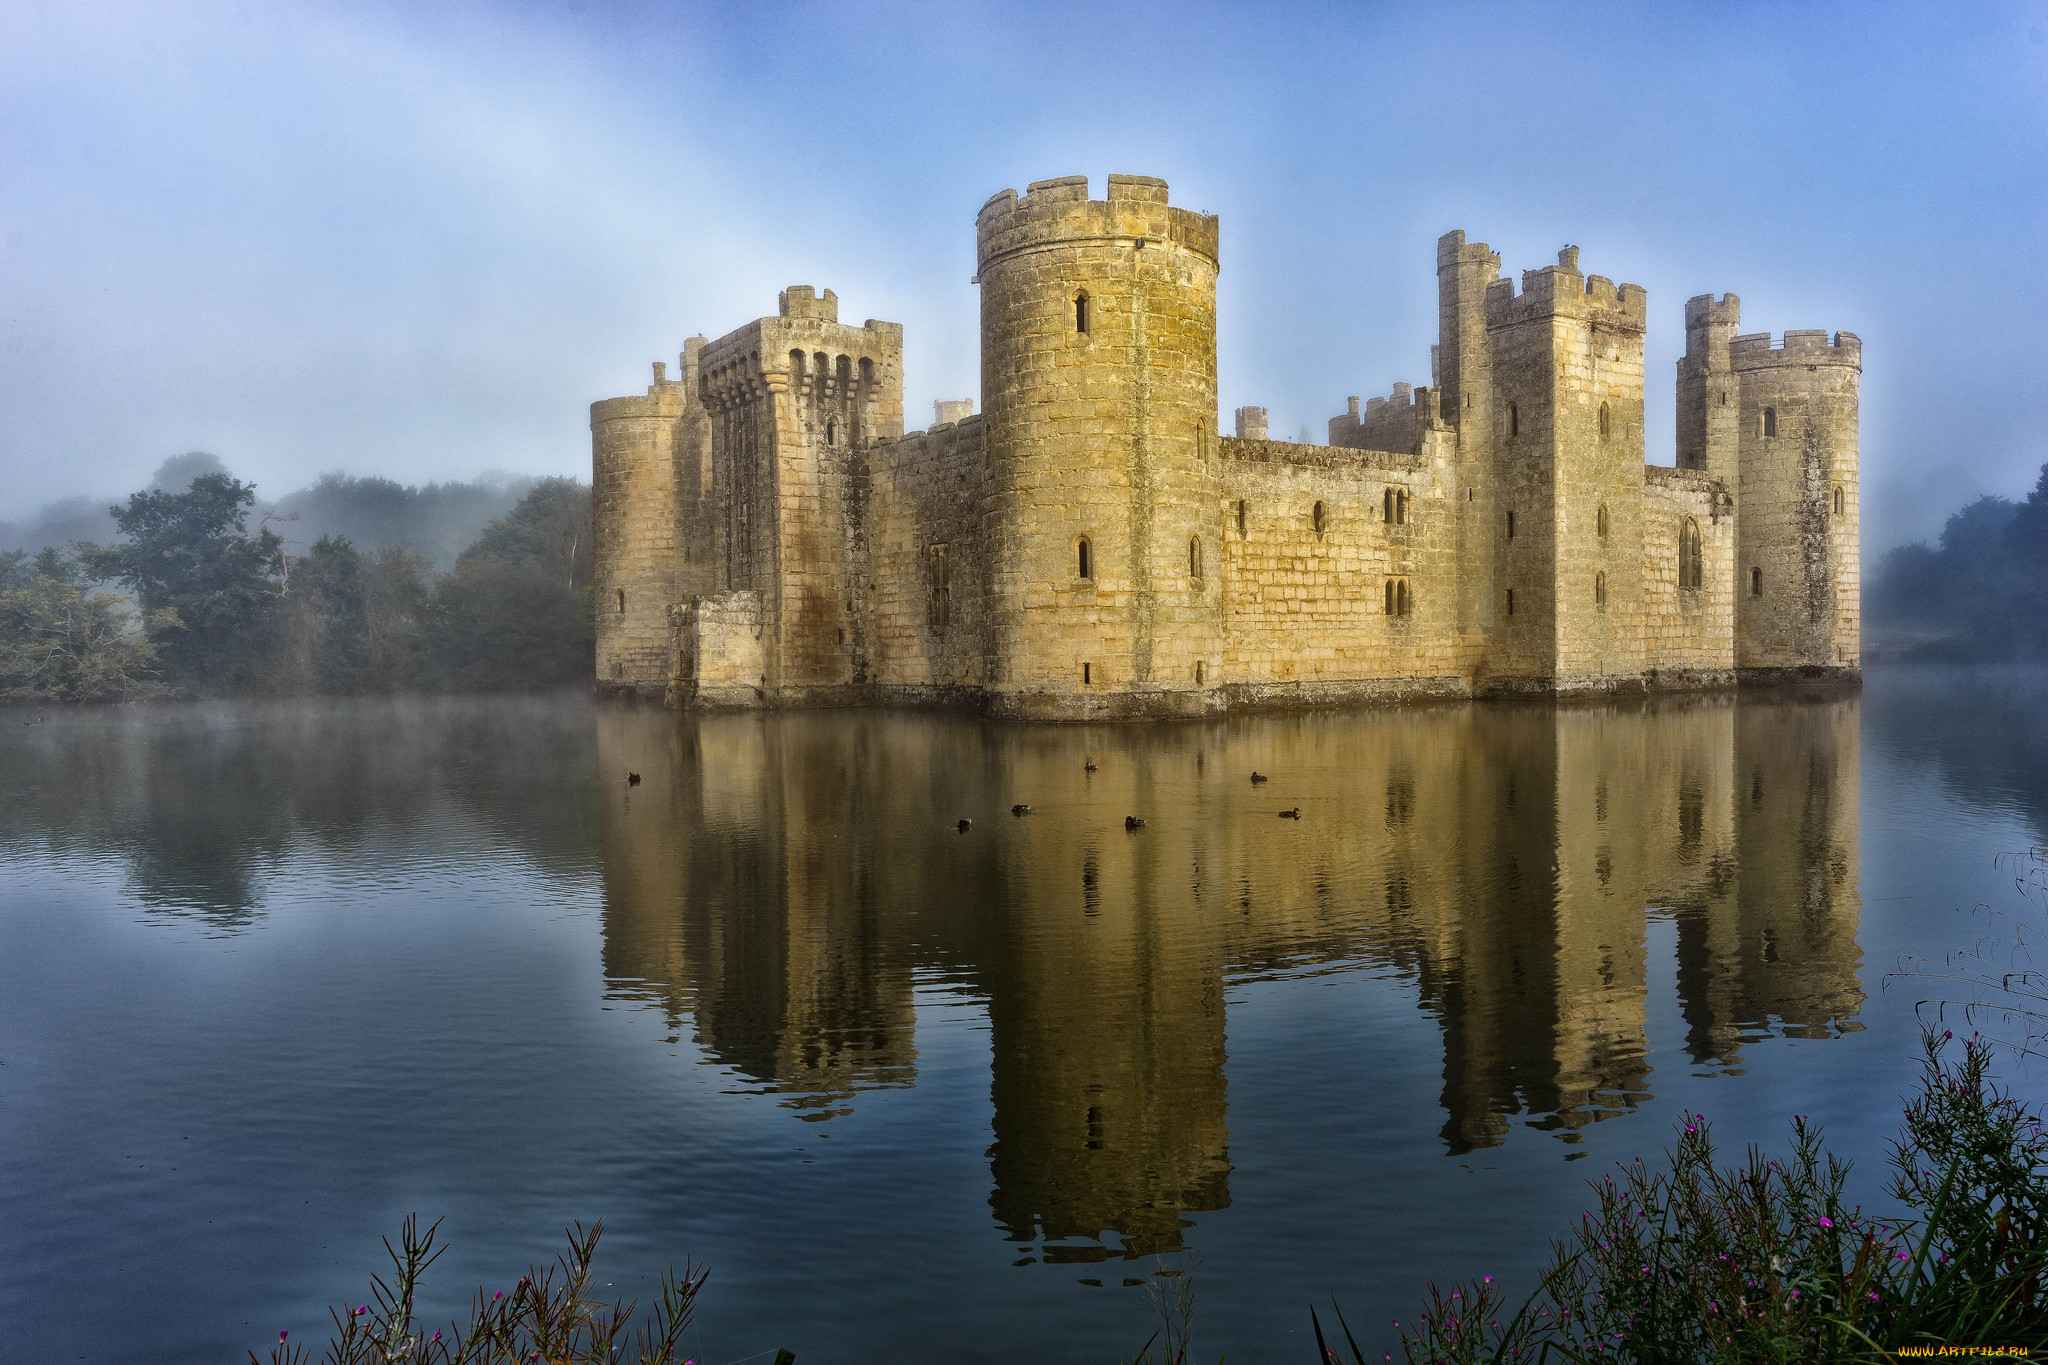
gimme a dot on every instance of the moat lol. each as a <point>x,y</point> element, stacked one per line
<point>277,975</point>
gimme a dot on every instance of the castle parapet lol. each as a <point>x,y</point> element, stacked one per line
<point>1801,346</point>
<point>1060,210</point>
<point>1704,310</point>
<point>802,301</point>
<point>660,400</point>
<point>1561,290</point>
<point>1392,423</point>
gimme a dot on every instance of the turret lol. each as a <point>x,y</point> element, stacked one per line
<point>638,455</point>
<point>1098,336</point>
<point>1707,401</point>
<point>1798,591</point>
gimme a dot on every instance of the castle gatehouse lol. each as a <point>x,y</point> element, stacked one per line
<point>1092,545</point>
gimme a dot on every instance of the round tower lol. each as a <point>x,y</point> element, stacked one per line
<point>634,553</point>
<point>1798,588</point>
<point>1098,381</point>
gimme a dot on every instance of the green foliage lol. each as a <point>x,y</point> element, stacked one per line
<point>434,521</point>
<point>500,625</point>
<point>1985,589</point>
<point>397,598</point>
<point>549,528</point>
<point>516,612</point>
<point>553,1315</point>
<point>191,554</point>
<point>329,580</point>
<point>1766,1261</point>
<point>60,641</point>
<point>227,610</point>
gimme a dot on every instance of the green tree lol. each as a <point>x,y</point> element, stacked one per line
<point>1985,588</point>
<point>549,528</point>
<point>191,554</point>
<point>330,579</point>
<point>516,611</point>
<point>2026,548</point>
<point>396,601</point>
<point>63,642</point>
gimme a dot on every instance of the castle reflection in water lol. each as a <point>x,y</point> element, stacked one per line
<point>780,885</point>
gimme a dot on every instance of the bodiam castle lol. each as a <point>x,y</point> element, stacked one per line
<point>1092,545</point>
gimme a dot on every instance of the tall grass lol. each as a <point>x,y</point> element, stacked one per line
<point>1765,1260</point>
<point>551,1316</point>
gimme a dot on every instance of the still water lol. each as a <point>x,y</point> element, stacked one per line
<point>272,977</point>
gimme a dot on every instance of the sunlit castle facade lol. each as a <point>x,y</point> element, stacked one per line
<point>1092,545</point>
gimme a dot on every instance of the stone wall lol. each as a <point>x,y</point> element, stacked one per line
<point>720,646</point>
<point>930,566</point>
<point>1309,558</point>
<point>1688,632</point>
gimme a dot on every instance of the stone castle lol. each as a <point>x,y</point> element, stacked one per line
<point>1092,546</point>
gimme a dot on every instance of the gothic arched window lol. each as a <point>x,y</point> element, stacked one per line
<point>1691,572</point>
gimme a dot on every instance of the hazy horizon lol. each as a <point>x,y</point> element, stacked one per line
<point>417,244</point>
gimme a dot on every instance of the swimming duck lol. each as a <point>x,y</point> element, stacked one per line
<point>1133,822</point>
<point>1260,777</point>
<point>1087,765</point>
<point>1020,810</point>
<point>1294,814</point>
<point>964,825</point>
<point>632,778</point>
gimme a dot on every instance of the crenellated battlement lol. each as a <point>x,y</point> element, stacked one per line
<point>1562,291</point>
<point>1453,249</point>
<point>1703,310</point>
<point>1391,423</point>
<point>1800,346</point>
<point>802,301</point>
<point>1060,210</point>
<point>1320,457</point>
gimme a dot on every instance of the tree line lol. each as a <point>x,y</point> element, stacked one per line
<point>1981,593</point>
<point>435,520</point>
<point>210,606</point>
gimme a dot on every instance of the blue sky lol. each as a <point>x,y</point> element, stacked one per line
<point>417,240</point>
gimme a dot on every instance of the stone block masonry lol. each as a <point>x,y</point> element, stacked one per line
<point>1092,546</point>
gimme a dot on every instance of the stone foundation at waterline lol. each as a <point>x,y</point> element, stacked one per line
<point>1092,546</point>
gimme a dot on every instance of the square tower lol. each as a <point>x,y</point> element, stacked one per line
<point>794,402</point>
<point>1566,378</point>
